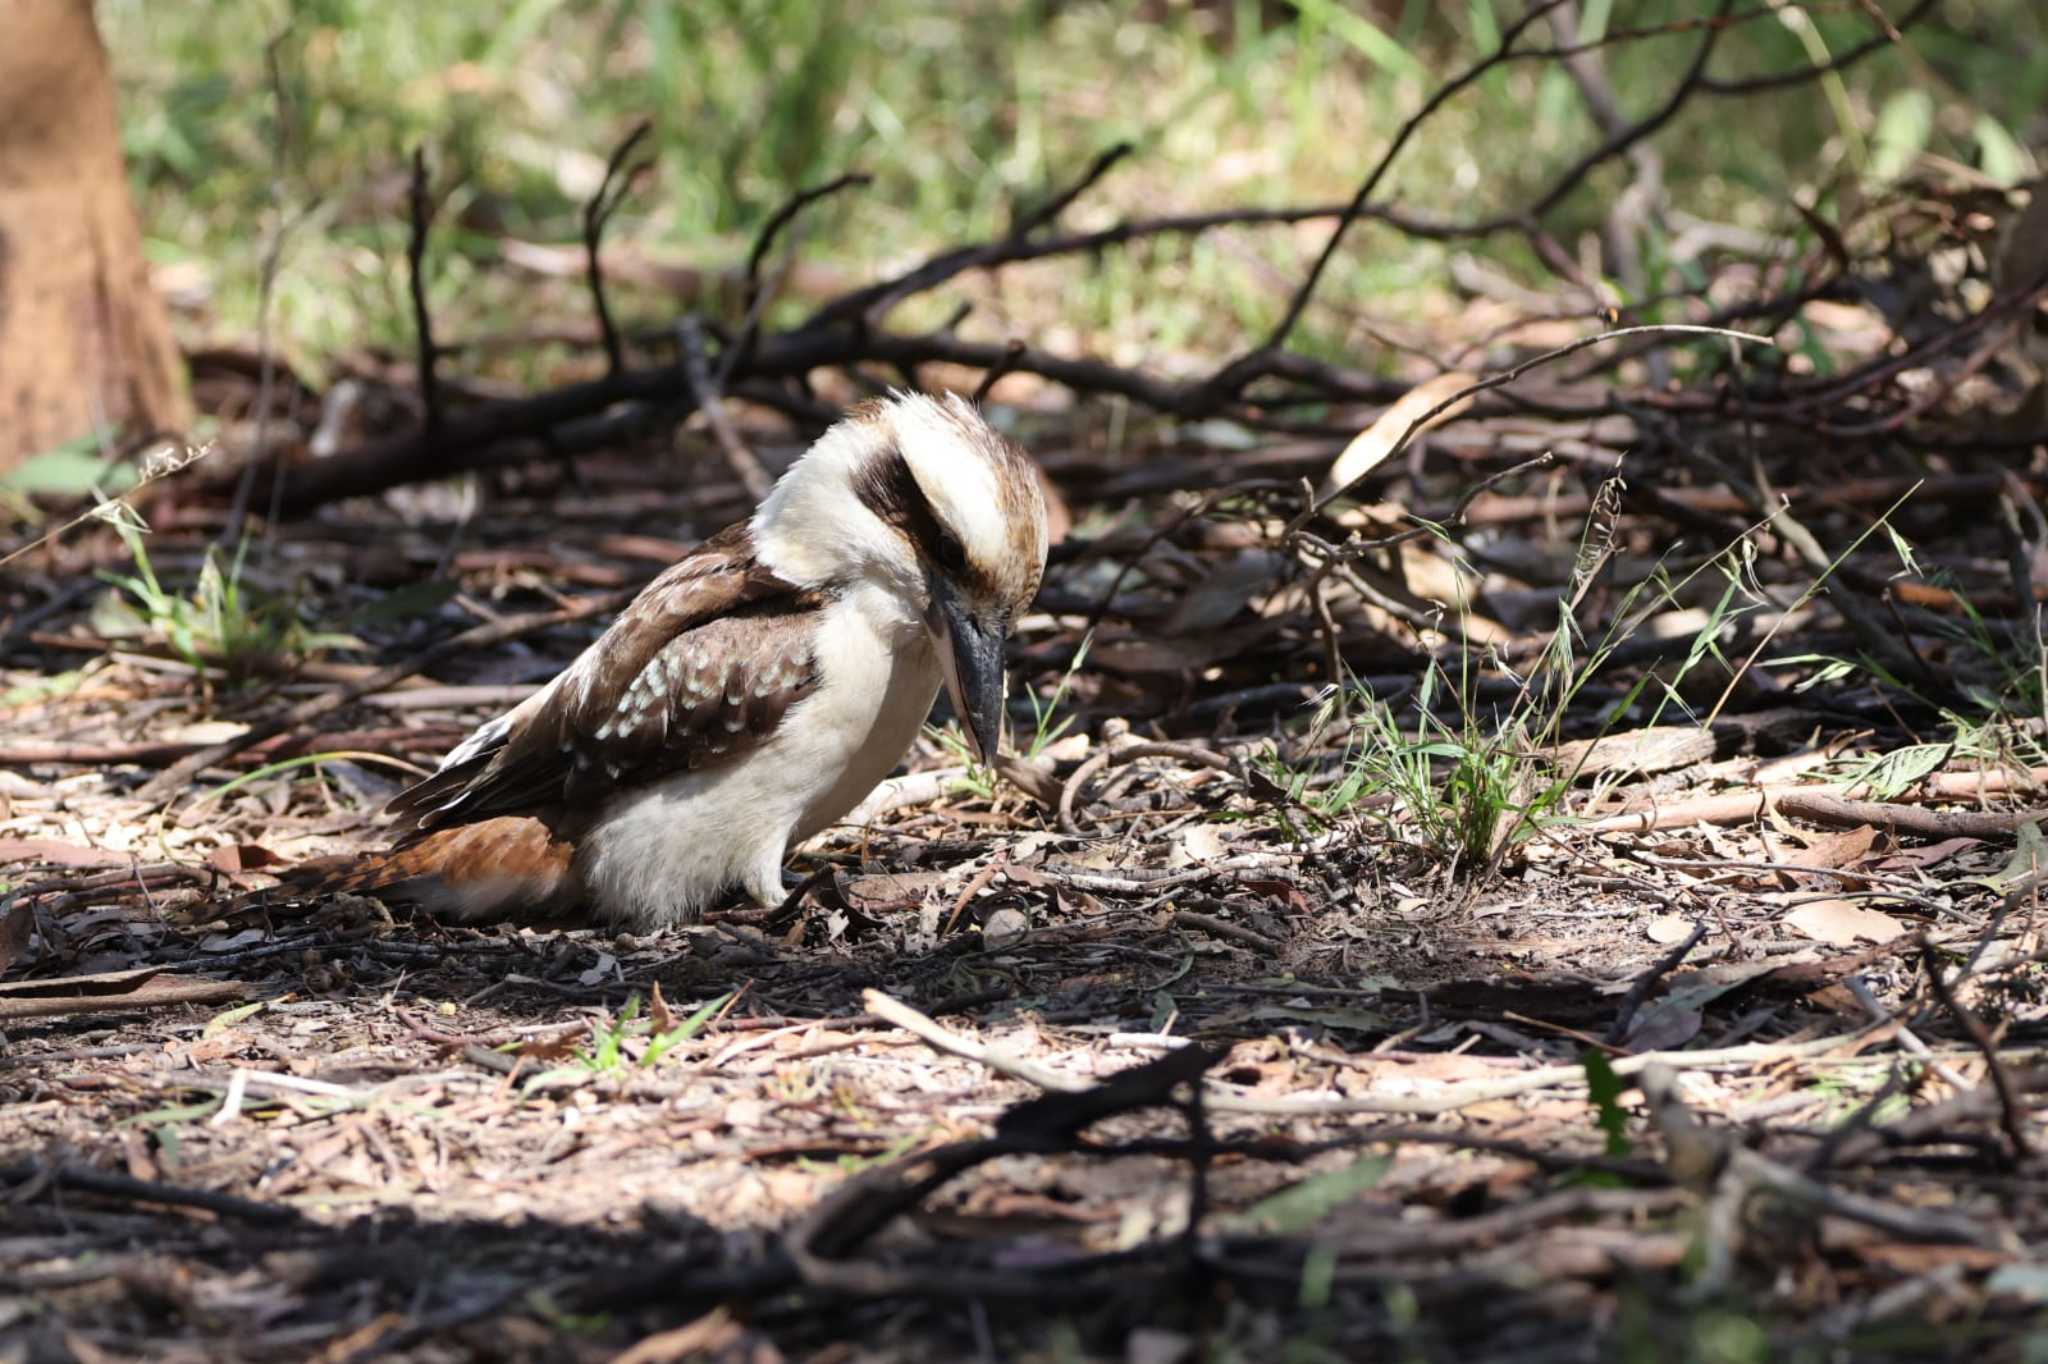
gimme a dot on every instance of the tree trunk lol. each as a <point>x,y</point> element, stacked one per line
<point>85,348</point>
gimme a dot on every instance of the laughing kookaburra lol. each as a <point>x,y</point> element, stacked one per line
<point>750,696</point>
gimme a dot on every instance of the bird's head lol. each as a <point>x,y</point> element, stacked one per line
<point>924,498</point>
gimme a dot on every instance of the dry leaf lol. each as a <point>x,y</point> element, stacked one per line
<point>2023,261</point>
<point>1666,929</point>
<point>1843,923</point>
<point>1031,776</point>
<point>560,1047</point>
<point>1909,859</point>
<point>57,854</point>
<point>1664,1028</point>
<point>208,1050</point>
<point>1151,1345</point>
<point>1834,850</point>
<point>1195,844</point>
<point>1224,591</point>
<point>1133,654</point>
<point>1656,748</point>
<point>892,890</point>
<point>713,1335</point>
<point>17,926</point>
<point>1377,441</point>
<point>234,857</point>
<point>660,1017</point>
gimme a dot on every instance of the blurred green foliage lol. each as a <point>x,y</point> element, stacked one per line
<point>964,112</point>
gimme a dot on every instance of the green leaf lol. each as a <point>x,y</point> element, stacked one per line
<point>1369,40</point>
<point>221,1022</point>
<point>1904,126</point>
<point>1303,1205</point>
<point>682,1032</point>
<point>2000,155</point>
<point>73,469</point>
<point>1318,1275</point>
<point>174,1113</point>
<point>1604,1087</point>
<point>1890,773</point>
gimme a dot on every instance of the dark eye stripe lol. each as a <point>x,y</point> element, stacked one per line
<point>888,488</point>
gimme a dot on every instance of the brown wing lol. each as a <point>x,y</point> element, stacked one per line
<point>700,667</point>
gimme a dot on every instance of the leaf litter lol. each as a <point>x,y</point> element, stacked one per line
<point>1360,956</point>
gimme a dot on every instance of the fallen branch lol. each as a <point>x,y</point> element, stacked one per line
<point>1451,1099</point>
<point>277,746</point>
<point>1744,807</point>
<point>1645,983</point>
<point>604,202</point>
<point>710,400</point>
<point>1823,808</point>
<point>147,994</point>
<point>109,1184</point>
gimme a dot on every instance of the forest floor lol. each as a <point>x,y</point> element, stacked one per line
<point>1638,956</point>
<point>310,1130</point>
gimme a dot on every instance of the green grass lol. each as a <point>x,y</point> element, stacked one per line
<point>608,1051</point>
<point>1466,780</point>
<point>1997,671</point>
<point>963,113</point>
<point>220,622</point>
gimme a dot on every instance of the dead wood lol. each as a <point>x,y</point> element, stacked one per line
<point>48,1000</point>
<point>108,1184</point>
<point>1823,808</point>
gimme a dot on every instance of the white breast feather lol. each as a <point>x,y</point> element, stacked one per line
<point>661,853</point>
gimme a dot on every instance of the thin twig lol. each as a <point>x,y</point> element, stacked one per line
<point>1508,376</point>
<point>1640,990</point>
<point>756,297</point>
<point>1448,1100</point>
<point>2012,1114</point>
<point>1297,304</point>
<point>704,391</point>
<point>891,1010</point>
<point>1012,353</point>
<point>422,217</point>
<point>866,307</point>
<point>597,211</point>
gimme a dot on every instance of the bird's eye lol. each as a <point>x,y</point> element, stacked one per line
<point>949,552</point>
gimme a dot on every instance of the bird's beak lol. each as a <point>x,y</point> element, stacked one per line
<point>971,656</point>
